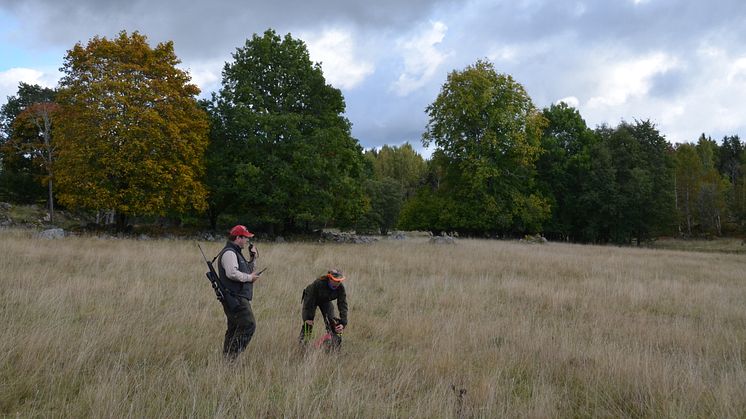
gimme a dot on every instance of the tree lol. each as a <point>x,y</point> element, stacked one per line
<point>487,134</point>
<point>26,145</point>
<point>132,136</point>
<point>644,174</point>
<point>729,158</point>
<point>386,199</point>
<point>395,174</point>
<point>401,163</point>
<point>37,119</point>
<point>281,138</point>
<point>563,170</point>
<point>688,178</point>
<point>732,158</point>
<point>712,188</point>
<point>597,201</point>
<point>711,202</point>
<point>738,200</point>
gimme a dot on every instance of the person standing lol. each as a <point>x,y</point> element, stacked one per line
<point>237,276</point>
<point>320,293</point>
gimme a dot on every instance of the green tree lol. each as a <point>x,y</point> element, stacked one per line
<point>401,163</point>
<point>729,158</point>
<point>708,151</point>
<point>738,200</point>
<point>386,199</point>
<point>713,187</point>
<point>428,209</point>
<point>732,157</point>
<point>563,169</point>
<point>597,201</point>
<point>283,155</point>
<point>26,148</point>
<point>688,178</point>
<point>132,137</point>
<point>644,173</point>
<point>711,202</point>
<point>395,174</point>
<point>487,134</point>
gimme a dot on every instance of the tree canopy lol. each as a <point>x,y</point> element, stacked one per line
<point>486,132</point>
<point>282,154</point>
<point>563,167</point>
<point>26,148</point>
<point>132,137</point>
<point>123,133</point>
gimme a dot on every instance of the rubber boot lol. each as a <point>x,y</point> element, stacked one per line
<point>305,334</point>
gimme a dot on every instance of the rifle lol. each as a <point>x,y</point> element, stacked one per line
<point>217,286</point>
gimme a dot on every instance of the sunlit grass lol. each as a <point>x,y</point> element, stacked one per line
<point>112,328</point>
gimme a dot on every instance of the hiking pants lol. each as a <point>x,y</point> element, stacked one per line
<point>241,327</point>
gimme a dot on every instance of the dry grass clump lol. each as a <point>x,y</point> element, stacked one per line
<point>113,328</point>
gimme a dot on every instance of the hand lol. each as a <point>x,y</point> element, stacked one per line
<point>252,250</point>
<point>339,328</point>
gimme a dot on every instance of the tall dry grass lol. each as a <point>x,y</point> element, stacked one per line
<point>121,328</point>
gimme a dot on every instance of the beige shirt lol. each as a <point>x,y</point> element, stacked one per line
<point>230,265</point>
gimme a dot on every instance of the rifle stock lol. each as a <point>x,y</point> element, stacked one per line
<point>222,295</point>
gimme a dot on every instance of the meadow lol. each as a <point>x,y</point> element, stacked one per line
<point>95,327</point>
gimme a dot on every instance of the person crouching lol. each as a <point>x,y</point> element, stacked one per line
<point>320,293</point>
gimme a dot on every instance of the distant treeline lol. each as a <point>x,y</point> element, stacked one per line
<point>124,133</point>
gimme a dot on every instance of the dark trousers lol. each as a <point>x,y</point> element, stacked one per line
<point>327,313</point>
<point>240,330</point>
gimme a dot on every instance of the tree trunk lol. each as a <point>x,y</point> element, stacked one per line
<point>121,222</point>
<point>50,200</point>
<point>212,217</point>
<point>688,217</point>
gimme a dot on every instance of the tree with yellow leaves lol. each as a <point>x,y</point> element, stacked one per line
<point>131,137</point>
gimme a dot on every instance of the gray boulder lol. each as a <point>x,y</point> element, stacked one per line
<point>52,233</point>
<point>442,240</point>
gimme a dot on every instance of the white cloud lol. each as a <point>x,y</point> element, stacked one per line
<point>9,80</point>
<point>421,58</point>
<point>714,100</point>
<point>207,75</point>
<point>737,71</point>
<point>503,54</point>
<point>571,101</point>
<point>336,50</point>
<point>710,100</point>
<point>629,79</point>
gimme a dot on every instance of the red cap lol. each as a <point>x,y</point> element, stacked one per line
<point>240,230</point>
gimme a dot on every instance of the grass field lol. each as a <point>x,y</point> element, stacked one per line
<point>719,245</point>
<point>122,328</point>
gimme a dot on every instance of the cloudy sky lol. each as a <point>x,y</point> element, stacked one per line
<point>679,63</point>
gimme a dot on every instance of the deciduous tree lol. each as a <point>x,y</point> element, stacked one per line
<point>26,146</point>
<point>487,133</point>
<point>563,170</point>
<point>396,172</point>
<point>688,179</point>
<point>132,137</point>
<point>282,140</point>
<point>644,174</point>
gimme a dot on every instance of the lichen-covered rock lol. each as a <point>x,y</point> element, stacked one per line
<point>52,233</point>
<point>442,240</point>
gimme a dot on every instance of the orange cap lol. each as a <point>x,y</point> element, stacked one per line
<point>336,275</point>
